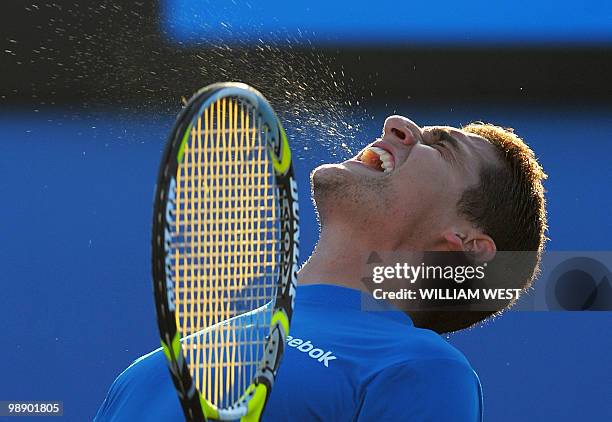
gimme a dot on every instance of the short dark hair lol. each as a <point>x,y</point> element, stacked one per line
<point>508,205</point>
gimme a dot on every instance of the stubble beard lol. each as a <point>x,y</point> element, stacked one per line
<point>347,195</point>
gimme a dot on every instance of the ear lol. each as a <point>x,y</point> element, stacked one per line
<point>453,241</point>
<point>479,244</point>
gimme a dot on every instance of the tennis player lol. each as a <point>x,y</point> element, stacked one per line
<point>476,190</point>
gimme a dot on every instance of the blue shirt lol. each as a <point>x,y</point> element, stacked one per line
<point>342,363</point>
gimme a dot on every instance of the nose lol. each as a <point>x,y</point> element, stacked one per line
<point>402,129</point>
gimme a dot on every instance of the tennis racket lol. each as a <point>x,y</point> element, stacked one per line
<point>225,252</point>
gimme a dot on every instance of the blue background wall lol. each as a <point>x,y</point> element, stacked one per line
<point>384,22</point>
<point>77,304</point>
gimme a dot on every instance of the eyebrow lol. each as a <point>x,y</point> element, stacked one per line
<point>443,134</point>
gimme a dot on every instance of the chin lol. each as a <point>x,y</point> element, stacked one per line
<point>330,177</point>
<point>327,170</point>
<point>338,190</point>
<point>327,183</point>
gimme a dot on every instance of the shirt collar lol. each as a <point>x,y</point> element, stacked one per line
<point>339,297</point>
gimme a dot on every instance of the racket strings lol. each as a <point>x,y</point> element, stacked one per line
<point>225,242</point>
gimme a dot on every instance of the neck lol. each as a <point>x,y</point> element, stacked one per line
<point>339,258</point>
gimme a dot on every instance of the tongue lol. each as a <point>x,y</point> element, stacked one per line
<point>371,159</point>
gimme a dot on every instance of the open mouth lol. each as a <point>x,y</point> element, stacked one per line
<point>377,159</point>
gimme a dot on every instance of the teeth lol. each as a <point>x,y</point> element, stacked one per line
<point>385,158</point>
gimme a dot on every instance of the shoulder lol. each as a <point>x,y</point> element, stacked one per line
<point>431,361</point>
<point>145,371</point>
<point>143,391</point>
<point>408,347</point>
<point>425,357</point>
<point>149,365</point>
<point>438,389</point>
<point>426,379</point>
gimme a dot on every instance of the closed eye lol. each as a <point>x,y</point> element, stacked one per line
<point>439,145</point>
<point>443,149</point>
<point>444,142</point>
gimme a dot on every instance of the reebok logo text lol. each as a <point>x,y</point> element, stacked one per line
<point>308,347</point>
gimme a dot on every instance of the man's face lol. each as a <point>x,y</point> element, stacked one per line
<point>404,187</point>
